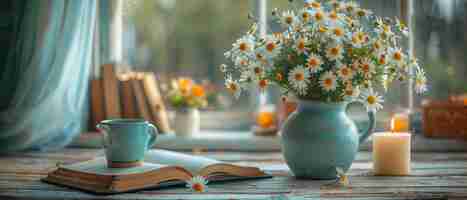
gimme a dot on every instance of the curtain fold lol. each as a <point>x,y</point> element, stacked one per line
<point>52,57</point>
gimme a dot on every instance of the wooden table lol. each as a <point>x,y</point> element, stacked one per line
<point>434,176</point>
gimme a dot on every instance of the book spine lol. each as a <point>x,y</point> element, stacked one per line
<point>156,103</point>
<point>97,103</point>
<point>111,92</point>
<point>128,100</point>
<point>142,106</point>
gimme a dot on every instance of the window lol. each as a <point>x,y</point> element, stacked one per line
<point>188,38</point>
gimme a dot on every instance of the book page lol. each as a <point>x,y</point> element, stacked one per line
<point>194,164</point>
<point>99,166</point>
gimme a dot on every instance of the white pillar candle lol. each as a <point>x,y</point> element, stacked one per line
<point>391,154</point>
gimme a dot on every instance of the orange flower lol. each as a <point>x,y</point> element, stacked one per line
<point>198,91</point>
<point>184,84</point>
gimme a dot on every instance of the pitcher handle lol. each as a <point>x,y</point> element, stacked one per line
<point>365,134</point>
<point>104,129</point>
<point>153,135</point>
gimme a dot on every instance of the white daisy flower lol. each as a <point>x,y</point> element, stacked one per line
<point>358,39</point>
<point>363,12</point>
<point>334,52</point>
<point>371,100</point>
<point>197,184</point>
<point>319,16</point>
<point>271,47</point>
<point>305,15</point>
<point>383,29</point>
<point>299,78</point>
<point>367,67</point>
<point>300,46</point>
<point>243,46</point>
<point>420,81</point>
<point>328,81</point>
<point>334,17</point>
<point>382,60</point>
<point>397,56</point>
<point>337,5</point>
<point>313,63</point>
<point>242,61</point>
<point>288,18</point>
<point>337,32</point>
<point>345,73</point>
<point>351,7</point>
<point>233,87</point>
<point>312,4</point>
<point>377,47</point>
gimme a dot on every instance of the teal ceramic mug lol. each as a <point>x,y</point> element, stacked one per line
<point>126,141</point>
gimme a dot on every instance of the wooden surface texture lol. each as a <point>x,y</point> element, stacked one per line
<point>434,176</point>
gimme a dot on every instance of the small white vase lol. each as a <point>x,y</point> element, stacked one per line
<point>187,122</point>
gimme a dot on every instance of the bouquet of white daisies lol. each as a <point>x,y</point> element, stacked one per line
<point>329,51</point>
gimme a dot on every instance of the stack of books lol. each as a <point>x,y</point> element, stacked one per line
<point>127,95</point>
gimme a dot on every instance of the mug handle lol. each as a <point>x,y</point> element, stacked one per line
<point>103,128</point>
<point>153,135</point>
<point>366,133</point>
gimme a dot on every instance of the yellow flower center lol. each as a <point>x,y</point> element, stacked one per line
<point>299,76</point>
<point>243,46</point>
<point>319,16</point>
<point>198,187</point>
<point>328,82</point>
<point>338,32</point>
<point>333,15</point>
<point>289,19</point>
<point>361,13</point>
<point>366,67</point>
<point>305,16</point>
<point>345,71</point>
<point>301,45</point>
<point>377,45</point>
<point>270,46</point>
<point>257,70</point>
<point>382,60</point>
<point>233,87</point>
<point>397,56</point>
<point>334,51</point>
<point>371,100</point>
<point>315,4</point>
<point>313,62</point>
<point>279,77</point>
<point>259,56</point>
<point>263,83</point>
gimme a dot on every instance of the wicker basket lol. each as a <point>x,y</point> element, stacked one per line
<point>445,119</point>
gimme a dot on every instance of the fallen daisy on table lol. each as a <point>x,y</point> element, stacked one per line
<point>197,184</point>
<point>343,179</point>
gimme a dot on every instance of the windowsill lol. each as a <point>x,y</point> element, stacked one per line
<point>246,141</point>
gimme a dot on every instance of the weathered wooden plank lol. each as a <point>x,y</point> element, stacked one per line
<point>433,176</point>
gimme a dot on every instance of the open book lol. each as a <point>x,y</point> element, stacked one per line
<point>161,169</point>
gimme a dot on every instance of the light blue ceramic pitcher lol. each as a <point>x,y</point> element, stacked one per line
<point>319,137</point>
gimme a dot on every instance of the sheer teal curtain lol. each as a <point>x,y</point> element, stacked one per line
<point>52,59</point>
